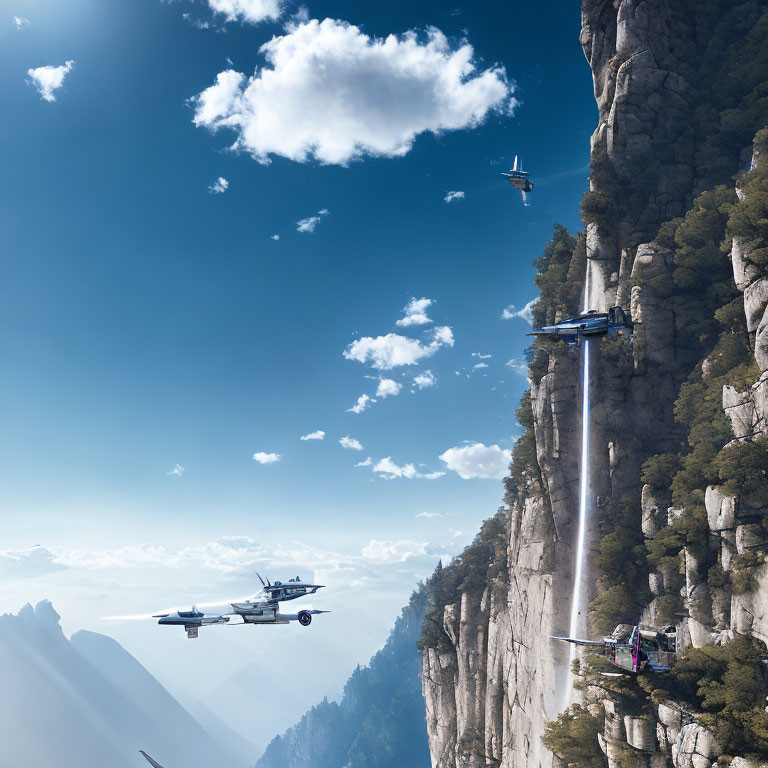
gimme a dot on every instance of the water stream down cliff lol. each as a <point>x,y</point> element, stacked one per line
<point>672,526</point>
<point>578,625</point>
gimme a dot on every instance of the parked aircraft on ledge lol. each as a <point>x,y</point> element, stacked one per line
<point>636,649</point>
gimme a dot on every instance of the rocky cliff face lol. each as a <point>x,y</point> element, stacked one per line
<point>675,83</point>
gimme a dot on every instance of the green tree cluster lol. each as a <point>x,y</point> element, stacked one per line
<point>726,685</point>
<point>559,277</point>
<point>482,562</point>
<point>572,737</point>
<point>623,567</point>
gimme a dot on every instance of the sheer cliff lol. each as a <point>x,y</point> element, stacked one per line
<point>675,232</point>
<point>379,722</point>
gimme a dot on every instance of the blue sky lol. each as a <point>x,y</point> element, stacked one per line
<point>147,321</point>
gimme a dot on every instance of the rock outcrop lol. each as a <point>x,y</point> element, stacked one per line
<point>495,678</point>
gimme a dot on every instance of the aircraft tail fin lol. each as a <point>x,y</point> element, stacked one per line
<point>152,762</point>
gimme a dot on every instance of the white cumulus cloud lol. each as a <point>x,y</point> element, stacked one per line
<point>478,460</point>
<point>314,98</point>
<point>455,194</point>
<point>266,458</point>
<point>219,186</point>
<point>351,443</point>
<point>388,469</point>
<point>393,350</point>
<point>388,387</point>
<point>177,470</point>
<point>251,11</point>
<point>309,224</point>
<point>424,379</point>
<point>526,313</point>
<point>21,22</point>
<point>49,79</point>
<point>365,462</point>
<point>29,562</point>
<point>317,435</point>
<point>363,402</point>
<point>415,312</point>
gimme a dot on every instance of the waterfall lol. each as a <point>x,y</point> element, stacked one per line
<point>577,626</point>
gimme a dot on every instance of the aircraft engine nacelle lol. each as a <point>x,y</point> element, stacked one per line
<point>305,618</point>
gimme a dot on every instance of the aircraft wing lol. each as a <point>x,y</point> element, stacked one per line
<point>152,762</point>
<point>578,642</point>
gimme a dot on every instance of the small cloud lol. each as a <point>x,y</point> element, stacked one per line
<point>453,195</point>
<point>351,443</point>
<point>518,366</point>
<point>317,435</point>
<point>49,79</point>
<point>482,357</point>
<point>454,533</point>
<point>526,313</point>
<point>388,469</point>
<point>275,237</point>
<point>177,470</point>
<point>309,224</point>
<point>388,387</point>
<point>21,22</point>
<point>394,350</point>
<point>430,515</point>
<point>415,312</point>
<point>197,23</point>
<point>478,460</point>
<point>266,458</point>
<point>424,380</point>
<point>363,402</point>
<point>249,11</point>
<point>219,186</point>
<point>479,365</point>
<point>365,462</point>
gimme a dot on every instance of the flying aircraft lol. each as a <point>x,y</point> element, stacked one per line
<point>263,608</point>
<point>152,762</point>
<point>636,649</point>
<point>520,180</point>
<point>612,323</point>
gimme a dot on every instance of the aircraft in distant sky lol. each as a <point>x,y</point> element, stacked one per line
<point>263,608</point>
<point>593,323</point>
<point>636,649</point>
<point>520,180</point>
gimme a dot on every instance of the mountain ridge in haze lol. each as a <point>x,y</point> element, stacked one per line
<point>86,702</point>
<point>379,722</point>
